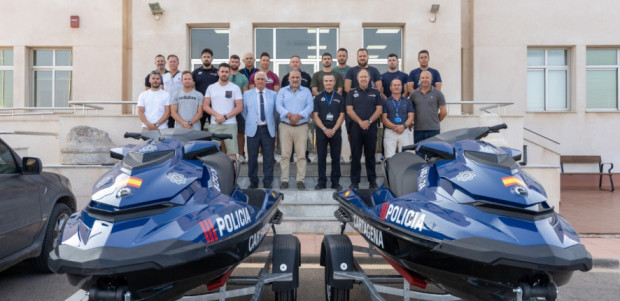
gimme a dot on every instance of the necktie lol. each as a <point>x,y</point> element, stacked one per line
<point>262,107</point>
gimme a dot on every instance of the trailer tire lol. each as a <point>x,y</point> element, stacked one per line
<point>290,295</point>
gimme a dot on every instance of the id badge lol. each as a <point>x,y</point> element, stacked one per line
<point>329,117</point>
<point>398,120</point>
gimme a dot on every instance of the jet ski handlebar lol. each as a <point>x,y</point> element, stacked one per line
<point>496,128</point>
<point>134,135</point>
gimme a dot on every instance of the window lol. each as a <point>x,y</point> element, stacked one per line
<point>602,79</point>
<point>7,162</point>
<point>6,78</point>
<point>51,77</point>
<point>547,80</point>
<point>308,43</point>
<point>216,39</point>
<point>381,42</point>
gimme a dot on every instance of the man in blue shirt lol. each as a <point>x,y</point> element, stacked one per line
<point>414,75</point>
<point>397,118</point>
<point>294,105</point>
<point>393,72</point>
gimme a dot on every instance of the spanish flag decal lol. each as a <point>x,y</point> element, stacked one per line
<point>346,194</point>
<point>512,180</point>
<point>134,182</point>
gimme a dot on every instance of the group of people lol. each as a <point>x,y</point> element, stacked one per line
<point>252,103</point>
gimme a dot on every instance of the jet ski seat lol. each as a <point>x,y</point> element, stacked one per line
<point>401,172</point>
<point>225,169</point>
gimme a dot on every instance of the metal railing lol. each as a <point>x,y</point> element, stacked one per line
<point>74,107</point>
<point>491,104</point>
<point>92,104</point>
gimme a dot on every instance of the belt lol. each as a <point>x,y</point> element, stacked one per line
<point>293,124</point>
<point>262,126</point>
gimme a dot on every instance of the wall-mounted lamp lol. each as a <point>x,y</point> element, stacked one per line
<point>434,10</point>
<point>156,10</point>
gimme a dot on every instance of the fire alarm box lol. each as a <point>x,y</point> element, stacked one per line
<point>75,21</point>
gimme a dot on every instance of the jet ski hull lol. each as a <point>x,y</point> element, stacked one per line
<point>472,268</point>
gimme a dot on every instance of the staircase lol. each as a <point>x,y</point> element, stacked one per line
<point>310,210</point>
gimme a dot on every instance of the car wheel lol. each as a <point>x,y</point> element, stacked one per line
<point>53,233</point>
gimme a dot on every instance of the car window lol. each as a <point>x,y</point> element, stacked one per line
<point>7,162</point>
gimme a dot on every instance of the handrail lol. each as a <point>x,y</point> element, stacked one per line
<point>92,103</point>
<point>534,142</point>
<point>492,103</point>
<point>29,133</point>
<point>542,136</point>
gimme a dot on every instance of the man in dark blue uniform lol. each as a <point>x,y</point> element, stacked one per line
<point>204,76</point>
<point>329,108</point>
<point>364,106</point>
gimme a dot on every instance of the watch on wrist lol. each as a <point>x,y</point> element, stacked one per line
<point>323,129</point>
<point>156,125</point>
<point>225,117</point>
<point>190,123</point>
<point>370,121</point>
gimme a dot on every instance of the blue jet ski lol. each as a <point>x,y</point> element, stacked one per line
<point>461,213</point>
<point>166,219</point>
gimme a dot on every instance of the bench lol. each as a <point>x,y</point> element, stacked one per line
<point>589,160</point>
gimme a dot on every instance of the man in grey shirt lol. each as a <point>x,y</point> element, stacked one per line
<point>186,105</point>
<point>430,108</point>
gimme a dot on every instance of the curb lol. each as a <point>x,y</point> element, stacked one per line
<point>606,263</point>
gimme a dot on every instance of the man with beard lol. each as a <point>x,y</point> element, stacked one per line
<point>317,79</point>
<point>294,105</point>
<point>186,105</point>
<point>430,107</point>
<point>295,64</point>
<point>248,61</point>
<point>160,66</point>
<point>243,83</point>
<point>273,82</point>
<point>204,76</point>
<point>342,56</point>
<point>154,105</point>
<point>350,79</point>
<point>223,101</point>
<point>414,76</point>
<point>364,106</point>
<point>392,73</point>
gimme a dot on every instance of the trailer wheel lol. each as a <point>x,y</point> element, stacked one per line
<point>336,294</point>
<point>290,295</point>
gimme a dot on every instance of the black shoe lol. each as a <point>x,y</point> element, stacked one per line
<point>308,157</point>
<point>373,185</point>
<point>284,185</point>
<point>354,186</point>
<point>292,159</point>
<point>267,186</point>
<point>253,186</point>
<point>336,186</point>
<point>301,186</point>
<point>320,186</point>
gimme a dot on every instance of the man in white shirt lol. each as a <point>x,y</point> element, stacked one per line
<point>223,101</point>
<point>154,105</point>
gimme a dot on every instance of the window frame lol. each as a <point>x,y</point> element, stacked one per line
<point>546,68</point>
<point>4,68</point>
<point>277,62</point>
<point>383,61</point>
<point>605,68</point>
<point>53,68</point>
<point>196,63</point>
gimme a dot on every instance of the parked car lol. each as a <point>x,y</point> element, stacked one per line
<point>34,206</point>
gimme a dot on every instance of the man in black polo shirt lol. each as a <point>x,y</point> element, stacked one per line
<point>364,106</point>
<point>205,76</point>
<point>329,108</point>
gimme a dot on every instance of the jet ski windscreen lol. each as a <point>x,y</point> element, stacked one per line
<point>137,160</point>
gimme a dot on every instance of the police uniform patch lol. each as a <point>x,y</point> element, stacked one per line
<point>177,178</point>
<point>148,148</point>
<point>465,176</point>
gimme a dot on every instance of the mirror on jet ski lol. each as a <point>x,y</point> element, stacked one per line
<point>433,149</point>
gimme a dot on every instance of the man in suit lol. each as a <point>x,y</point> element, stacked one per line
<point>259,105</point>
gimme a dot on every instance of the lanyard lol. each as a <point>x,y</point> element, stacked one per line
<point>329,99</point>
<point>396,106</point>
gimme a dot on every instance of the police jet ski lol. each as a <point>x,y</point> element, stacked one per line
<point>461,213</point>
<point>166,219</point>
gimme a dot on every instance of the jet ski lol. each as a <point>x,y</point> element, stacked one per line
<point>167,218</point>
<point>461,213</point>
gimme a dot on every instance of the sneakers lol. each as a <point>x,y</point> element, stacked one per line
<point>378,157</point>
<point>301,186</point>
<point>242,159</point>
<point>320,186</point>
<point>253,186</point>
<point>373,185</point>
<point>354,186</point>
<point>284,185</point>
<point>336,186</point>
<point>267,186</point>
